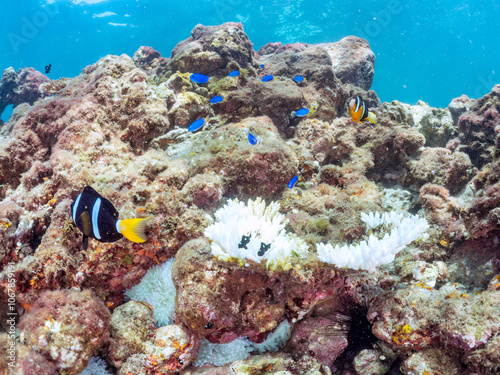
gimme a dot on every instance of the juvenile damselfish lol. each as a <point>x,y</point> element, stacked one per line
<point>359,112</point>
<point>97,218</point>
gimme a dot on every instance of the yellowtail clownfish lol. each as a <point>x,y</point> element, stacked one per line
<point>97,218</point>
<point>359,112</point>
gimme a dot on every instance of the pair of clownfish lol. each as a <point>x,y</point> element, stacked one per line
<point>359,112</point>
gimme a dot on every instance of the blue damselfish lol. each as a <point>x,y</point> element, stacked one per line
<point>196,125</point>
<point>216,99</point>
<point>252,139</point>
<point>293,181</point>
<point>302,112</point>
<point>199,78</point>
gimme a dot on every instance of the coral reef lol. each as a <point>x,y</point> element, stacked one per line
<point>440,166</point>
<point>129,327</point>
<point>66,327</point>
<point>478,129</point>
<point>20,87</point>
<point>436,124</point>
<point>352,61</point>
<point>257,177</point>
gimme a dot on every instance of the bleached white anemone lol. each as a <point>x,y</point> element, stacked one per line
<point>256,232</point>
<point>396,231</point>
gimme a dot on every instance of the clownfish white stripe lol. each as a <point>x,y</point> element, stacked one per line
<point>118,226</point>
<point>75,206</point>
<point>95,215</point>
<point>358,103</point>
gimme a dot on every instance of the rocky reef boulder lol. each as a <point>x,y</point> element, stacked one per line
<point>20,87</point>
<point>479,129</point>
<point>66,327</point>
<point>353,61</point>
<point>213,48</point>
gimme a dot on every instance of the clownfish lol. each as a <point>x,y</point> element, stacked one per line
<point>97,218</point>
<point>359,112</point>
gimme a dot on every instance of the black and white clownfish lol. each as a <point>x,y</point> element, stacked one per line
<point>96,217</point>
<point>359,112</point>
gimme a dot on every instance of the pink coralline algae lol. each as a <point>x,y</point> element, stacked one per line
<point>20,87</point>
<point>66,327</point>
<point>121,126</point>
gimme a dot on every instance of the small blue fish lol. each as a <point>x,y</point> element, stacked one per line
<point>262,66</point>
<point>293,181</point>
<point>196,125</point>
<point>301,112</point>
<point>298,78</point>
<point>199,78</point>
<point>252,139</point>
<point>216,99</point>
<point>234,73</point>
<point>267,78</point>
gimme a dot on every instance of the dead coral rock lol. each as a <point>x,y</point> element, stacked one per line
<point>274,363</point>
<point>317,138</point>
<point>135,364</point>
<point>212,301</point>
<point>391,142</point>
<point>444,211</point>
<point>420,318</point>
<point>442,167</point>
<point>322,338</point>
<point>486,359</point>
<point>204,190</point>
<point>276,99</point>
<point>313,63</point>
<point>130,328</point>
<point>395,113</point>
<point>352,61</point>
<point>479,129</point>
<point>431,361</point>
<point>471,321</point>
<point>66,327</point>
<point>370,362</point>
<point>222,300</point>
<point>281,363</point>
<point>54,87</point>
<point>436,124</point>
<point>20,87</point>
<point>148,59</point>
<point>18,359</point>
<point>261,170</point>
<point>458,106</point>
<point>173,348</point>
<point>483,215</point>
<point>211,48</point>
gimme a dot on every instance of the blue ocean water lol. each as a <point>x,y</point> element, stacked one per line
<point>428,50</point>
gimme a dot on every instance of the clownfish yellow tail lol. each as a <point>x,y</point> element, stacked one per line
<point>372,117</point>
<point>133,229</point>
